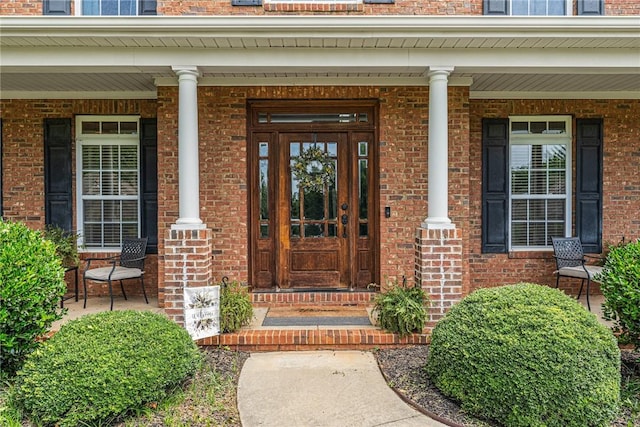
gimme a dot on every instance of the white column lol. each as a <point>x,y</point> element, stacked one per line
<point>188,163</point>
<point>438,213</point>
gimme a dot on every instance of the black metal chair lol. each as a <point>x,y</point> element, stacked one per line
<point>572,262</point>
<point>128,265</point>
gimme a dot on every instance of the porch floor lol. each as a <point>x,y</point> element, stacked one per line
<point>256,337</point>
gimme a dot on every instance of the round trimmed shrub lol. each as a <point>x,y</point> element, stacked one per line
<point>620,285</point>
<point>527,355</point>
<point>31,285</point>
<point>98,368</point>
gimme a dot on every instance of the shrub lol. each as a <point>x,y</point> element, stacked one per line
<point>527,355</point>
<point>31,285</point>
<point>620,285</point>
<point>236,310</point>
<point>100,367</point>
<point>401,309</point>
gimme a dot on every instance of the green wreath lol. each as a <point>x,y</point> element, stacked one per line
<point>313,169</point>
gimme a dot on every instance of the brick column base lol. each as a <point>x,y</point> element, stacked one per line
<point>187,263</point>
<point>439,268</point>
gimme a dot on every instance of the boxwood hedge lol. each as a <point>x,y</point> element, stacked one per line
<point>31,285</point>
<point>527,355</point>
<point>100,367</point>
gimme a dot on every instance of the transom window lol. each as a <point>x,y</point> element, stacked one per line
<point>107,7</point>
<point>108,180</point>
<point>539,180</point>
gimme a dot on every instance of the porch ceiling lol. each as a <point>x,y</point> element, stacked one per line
<point>525,57</point>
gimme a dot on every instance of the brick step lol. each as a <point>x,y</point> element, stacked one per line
<point>318,337</point>
<point>313,339</point>
<point>265,299</point>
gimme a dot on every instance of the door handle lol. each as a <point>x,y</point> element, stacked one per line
<point>345,220</point>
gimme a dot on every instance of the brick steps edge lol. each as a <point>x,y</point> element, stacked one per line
<point>313,339</point>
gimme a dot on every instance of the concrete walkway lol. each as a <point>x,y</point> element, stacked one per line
<point>320,388</point>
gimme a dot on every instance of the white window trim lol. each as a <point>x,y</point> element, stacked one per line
<point>94,139</point>
<point>568,9</point>
<point>527,139</point>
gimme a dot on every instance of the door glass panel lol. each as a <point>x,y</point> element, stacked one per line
<point>363,193</point>
<point>314,204</point>
<point>332,230</point>
<point>264,230</point>
<point>295,230</point>
<point>264,149</point>
<point>364,229</point>
<point>264,189</point>
<point>363,148</point>
<point>313,230</point>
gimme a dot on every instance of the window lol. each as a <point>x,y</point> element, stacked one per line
<point>528,7</point>
<point>524,195</point>
<point>539,180</point>
<point>108,180</point>
<point>114,7</point>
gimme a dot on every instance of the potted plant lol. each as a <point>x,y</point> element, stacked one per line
<point>66,244</point>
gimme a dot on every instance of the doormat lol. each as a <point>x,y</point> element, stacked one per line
<point>317,316</point>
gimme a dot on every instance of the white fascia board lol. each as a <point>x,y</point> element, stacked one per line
<point>314,59</point>
<point>554,95</point>
<point>314,26</point>
<point>19,94</point>
<point>314,81</point>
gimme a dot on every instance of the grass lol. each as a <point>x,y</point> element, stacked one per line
<point>630,390</point>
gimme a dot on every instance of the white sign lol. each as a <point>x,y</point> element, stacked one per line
<point>202,311</point>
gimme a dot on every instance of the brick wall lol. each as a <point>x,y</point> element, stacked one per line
<point>403,170</point>
<point>23,161</point>
<point>621,187</point>
<point>400,7</point>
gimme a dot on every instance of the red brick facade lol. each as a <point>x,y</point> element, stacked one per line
<point>400,7</point>
<point>403,170</point>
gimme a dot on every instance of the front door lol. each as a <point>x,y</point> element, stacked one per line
<point>313,204</point>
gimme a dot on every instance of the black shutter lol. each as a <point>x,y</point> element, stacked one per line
<point>590,7</point>
<point>57,173</point>
<point>495,197</point>
<point>496,7</point>
<point>589,184</point>
<point>246,2</point>
<point>147,7</point>
<point>56,7</point>
<point>149,174</point>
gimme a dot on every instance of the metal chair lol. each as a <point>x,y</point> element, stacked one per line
<point>571,262</point>
<point>128,265</point>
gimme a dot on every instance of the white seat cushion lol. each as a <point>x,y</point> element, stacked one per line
<point>120,273</point>
<point>579,272</point>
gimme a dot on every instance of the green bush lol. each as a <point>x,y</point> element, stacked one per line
<point>527,355</point>
<point>31,285</point>
<point>236,310</point>
<point>98,368</point>
<point>401,309</point>
<point>620,285</point>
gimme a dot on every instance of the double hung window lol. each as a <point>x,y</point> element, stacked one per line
<point>108,179</point>
<point>539,180</point>
<point>107,7</point>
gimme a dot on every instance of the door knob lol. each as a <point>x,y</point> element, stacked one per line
<point>344,206</point>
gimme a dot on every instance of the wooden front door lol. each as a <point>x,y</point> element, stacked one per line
<point>313,207</point>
